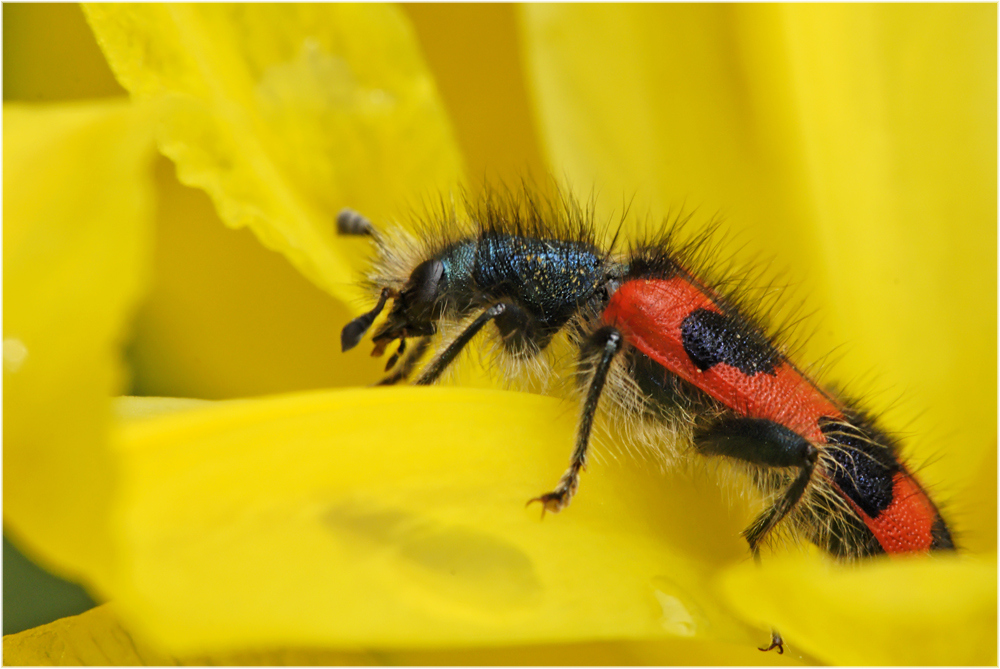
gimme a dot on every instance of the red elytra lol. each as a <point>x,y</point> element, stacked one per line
<point>905,526</point>
<point>650,314</point>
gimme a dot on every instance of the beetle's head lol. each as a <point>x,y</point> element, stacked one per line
<point>414,311</point>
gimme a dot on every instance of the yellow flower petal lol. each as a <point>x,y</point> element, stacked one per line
<point>396,518</point>
<point>855,143</point>
<point>217,298</point>
<point>76,230</point>
<point>901,611</point>
<point>50,54</point>
<point>472,49</point>
<point>97,637</point>
<point>94,638</point>
<point>661,652</point>
<point>225,317</point>
<point>286,113</point>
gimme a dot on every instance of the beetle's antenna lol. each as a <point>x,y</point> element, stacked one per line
<point>350,222</point>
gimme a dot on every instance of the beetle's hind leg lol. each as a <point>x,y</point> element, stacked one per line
<point>608,342</point>
<point>777,643</point>
<point>762,442</point>
<point>768,520</point>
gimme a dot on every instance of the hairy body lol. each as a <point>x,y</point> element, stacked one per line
<point>663,350</point>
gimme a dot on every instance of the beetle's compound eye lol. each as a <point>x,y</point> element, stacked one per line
<point>416,307</point>
<point>423,285</point>
<point>356,329</point>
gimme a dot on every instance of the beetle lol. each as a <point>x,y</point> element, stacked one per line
<point>660,345</point>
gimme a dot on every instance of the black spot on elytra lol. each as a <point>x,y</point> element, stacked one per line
<point>710,338</point>
<point>865,468</point>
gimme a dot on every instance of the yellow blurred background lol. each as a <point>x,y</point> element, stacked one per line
<point>215,323</point>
